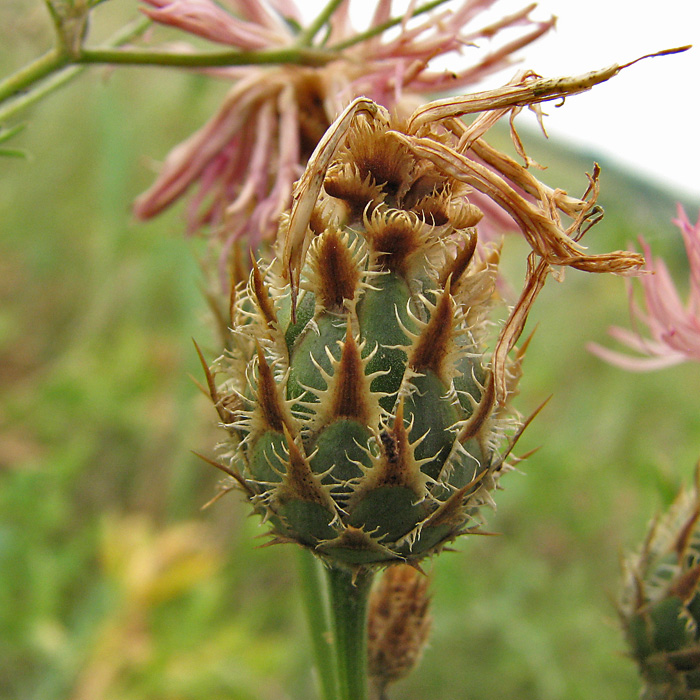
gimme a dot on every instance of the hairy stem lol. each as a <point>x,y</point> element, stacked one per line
<point>315,603</point>
<point>349,594</point>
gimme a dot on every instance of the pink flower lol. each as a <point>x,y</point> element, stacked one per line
<point>674,327</point>
<point>245,160</point>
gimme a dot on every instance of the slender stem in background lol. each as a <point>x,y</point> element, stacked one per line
<point>349,594</point>
<point>64,74</point>
<point>37,70</point>
<point>48,86</point>
<point>71,64</point>
<point>61,59</point>
<point>292,56</point>
<point>381,28</point>
<point>315,600</point>
<point>307,35</point>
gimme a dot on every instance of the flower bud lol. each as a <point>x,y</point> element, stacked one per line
<point>398,625</point>
<point>660,605</point>
<point>367,424</point>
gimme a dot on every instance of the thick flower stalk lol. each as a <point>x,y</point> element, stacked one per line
<point>674,326</point>
<point>244,161</point>
<point>660,604</point>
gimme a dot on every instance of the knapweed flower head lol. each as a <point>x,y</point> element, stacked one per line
<point>244,161</point>
<point>673,326</point>
<point>660,603</point>
<point>366,402</point>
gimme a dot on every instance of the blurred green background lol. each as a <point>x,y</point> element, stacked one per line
<point>115,585</point>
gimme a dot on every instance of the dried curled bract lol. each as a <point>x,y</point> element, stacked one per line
<point>244,160</point>
<point>458,152</point>
<point>443,148</point>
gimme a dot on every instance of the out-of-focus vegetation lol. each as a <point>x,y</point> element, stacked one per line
<point>113,583</point>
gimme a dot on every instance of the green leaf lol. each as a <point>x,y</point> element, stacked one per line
<point>6,135</point>
<point>13,153</point>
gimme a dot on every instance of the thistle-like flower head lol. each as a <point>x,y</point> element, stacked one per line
<point>368,423</point>
<point>365,402</point>
<point>246,158</point>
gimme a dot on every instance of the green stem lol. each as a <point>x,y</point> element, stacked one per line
<point>349,594</point>
<point>37,93</point>
<point>61,59</point>
<point>315,603</point>
<point>307,36</point>
<point>37,70</point>
<point>61,75</point>
<point>292,56</point>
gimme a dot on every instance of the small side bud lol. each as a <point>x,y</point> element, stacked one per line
<point>398,625</point>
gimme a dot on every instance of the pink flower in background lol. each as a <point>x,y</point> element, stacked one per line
<point>674,327</point>
<point>245,160</point>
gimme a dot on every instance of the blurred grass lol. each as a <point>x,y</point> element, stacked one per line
<point>113,584</point>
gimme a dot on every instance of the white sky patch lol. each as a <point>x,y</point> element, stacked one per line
<point>647,118</point>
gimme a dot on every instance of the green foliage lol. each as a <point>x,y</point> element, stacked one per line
<point>98,417</point>
<point>6,135</point>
